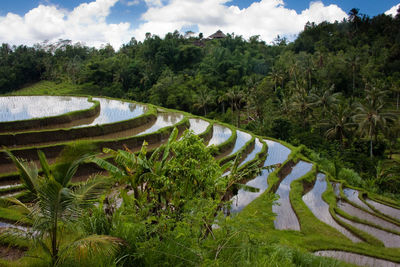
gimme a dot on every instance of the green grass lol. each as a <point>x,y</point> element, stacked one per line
<point>51,88</point>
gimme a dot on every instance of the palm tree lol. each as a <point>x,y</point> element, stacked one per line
<point>338,123</point>
<point>235,95</point>
<point>57,205</point>
<point>276,77</point>
<point>371,118</point>
<point>203,98</point>
<point>325,100</point>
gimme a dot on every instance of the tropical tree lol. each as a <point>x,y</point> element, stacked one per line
<point>338,123</point>
<point>326,100</point>
<point>204,98</point>
<point>371,118</point>
<point>57,206</point>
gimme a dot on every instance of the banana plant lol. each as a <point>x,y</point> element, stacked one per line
<point>57,207</point>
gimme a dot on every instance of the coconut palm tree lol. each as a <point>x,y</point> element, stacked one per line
<point>371,118</point>
<point>204,98</point>
<point>57,205</point>
<point>325,100</point>
<point>338,123</point>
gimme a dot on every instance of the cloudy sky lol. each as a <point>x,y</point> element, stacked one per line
<point>97,22</point>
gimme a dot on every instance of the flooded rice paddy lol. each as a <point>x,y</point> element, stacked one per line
<point>356,212</point>
<point>241,139</point>
<point>278,154</point>
<point>257,149</point>
<point>16,108</point>
<point>388,239</point>
<point>320,209</point>
<point>220,135</point>
<point>387,210</point>
<point>286,218</point>
<point>198,126</point>
<point>112,111</point>
<point>356,259</point>
<point>352,195</point>
<point>164,120</point>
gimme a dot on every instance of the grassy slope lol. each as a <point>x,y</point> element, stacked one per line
<point>314,234</point>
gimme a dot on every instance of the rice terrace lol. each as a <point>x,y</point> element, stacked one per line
<point>200,149</point>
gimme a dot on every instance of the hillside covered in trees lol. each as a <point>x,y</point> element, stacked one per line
<point>334,89</point>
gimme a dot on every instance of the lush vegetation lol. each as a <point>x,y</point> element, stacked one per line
<point>335,90</point>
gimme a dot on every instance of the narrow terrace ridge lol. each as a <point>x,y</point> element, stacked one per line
<point>320,209</point>
<point>356,259</point>
<point>388,239</point>
<point>385,209</point>
<point>286,218</point>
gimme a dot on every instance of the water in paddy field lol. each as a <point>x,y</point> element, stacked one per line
<point>220,135</point>
<point>198,126</point>
<point>241,139</point>
<point>387,210</point>
<point>164,120</point>
<point>320,209</point>
<point>277,154</point>
<point>286,218</point>
<point>15,108</point>
<point>388,239</point>
<point>352,195</point>
<point>356,212</point>
<point>112,111</point>
<point>357,259</point>
<point>257,149</point>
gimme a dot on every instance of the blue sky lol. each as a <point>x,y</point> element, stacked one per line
<point>116,21</point>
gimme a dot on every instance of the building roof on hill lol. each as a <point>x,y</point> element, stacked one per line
<point>217,35</point>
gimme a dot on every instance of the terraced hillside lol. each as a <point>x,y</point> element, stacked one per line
<point>313,211</point>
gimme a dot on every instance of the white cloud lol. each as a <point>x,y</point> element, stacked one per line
<point>132,3</point>
<point>393,10</point>
<point>86,23</point>
<point>266,18</point>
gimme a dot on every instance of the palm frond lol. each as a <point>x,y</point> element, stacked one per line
<point>44,164</point>
<point>28,172</point>
<point>88,247</point>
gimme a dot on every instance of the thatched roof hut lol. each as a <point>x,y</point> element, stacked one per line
<point>217,35</point>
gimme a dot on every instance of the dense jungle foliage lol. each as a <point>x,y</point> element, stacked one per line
<point>334,89</point>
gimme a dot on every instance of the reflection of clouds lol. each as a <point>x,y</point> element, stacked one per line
<point>220,135</point>
<point>257,149</point>
<point>198,126</point>
<point>13,108</point>
<point>277,153</point>
<point>114,110</point>
<point>241,139</point>
<point>243,198</point>
<point>164,120</point>
<point>286,218</point>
